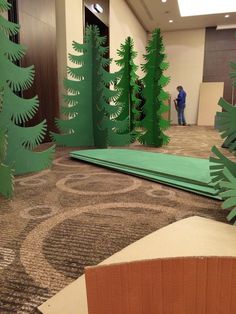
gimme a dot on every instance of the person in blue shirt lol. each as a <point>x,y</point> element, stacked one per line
<point>180,102</point>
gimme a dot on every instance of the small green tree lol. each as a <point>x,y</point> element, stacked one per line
<point>153,93</point>
<point>127,86</point>
<point>16,110</point>
<point>87,101</point>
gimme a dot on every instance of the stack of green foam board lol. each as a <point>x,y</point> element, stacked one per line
<point>187,173</point>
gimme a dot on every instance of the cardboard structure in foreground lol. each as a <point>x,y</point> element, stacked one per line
<point>163,286</point>
<point>193,236</point>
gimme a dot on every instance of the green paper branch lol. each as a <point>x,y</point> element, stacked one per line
<point>217,165</point>
<point>223,173</point>
<point>4,6</point>
<point>154,81</point>
<point>229,193</point>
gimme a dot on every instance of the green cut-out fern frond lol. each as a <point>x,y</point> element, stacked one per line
<point>217,166</point>
<point>17,78</point>
<point>7,27</point>
<point>20,110</point>
<point>228,193</point>
<point>4,6</point>
<point>12,50</point>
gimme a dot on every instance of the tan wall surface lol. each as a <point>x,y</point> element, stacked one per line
<point>123,23</point>
<point>185,53</point>
<point>210,94</point>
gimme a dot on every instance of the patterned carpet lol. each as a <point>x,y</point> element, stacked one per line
<point>77,214</point>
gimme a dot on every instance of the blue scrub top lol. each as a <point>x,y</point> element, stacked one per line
<point>181,98</point>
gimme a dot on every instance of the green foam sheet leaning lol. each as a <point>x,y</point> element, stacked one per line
<point>187,173</point>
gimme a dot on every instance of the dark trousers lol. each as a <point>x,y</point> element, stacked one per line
<point>181,117</point>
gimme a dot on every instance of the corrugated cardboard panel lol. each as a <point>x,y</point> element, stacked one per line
<point>163,286</point>
<point>210,94</point>
<point>193,236</point>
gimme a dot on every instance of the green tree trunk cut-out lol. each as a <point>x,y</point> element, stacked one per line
<point>154,81</point>
<point>22,141</point>
<point>6,173</point>
<point>88,95</point>
<point>127,88</point>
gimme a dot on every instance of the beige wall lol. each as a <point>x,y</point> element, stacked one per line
<point>185,53</point>
<point>69,24</point>
<point>123,23</point>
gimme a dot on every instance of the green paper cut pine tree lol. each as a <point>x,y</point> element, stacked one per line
<point>127,101</point>
<point>88,110</point>
<point>22,141</point>
<point>222,169</point>
<point>154,81</point>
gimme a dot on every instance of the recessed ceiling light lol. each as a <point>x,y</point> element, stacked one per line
<point>226,16</point>
<point>98,8</point>
<point>171,21</point>
<point>163,1</point>
<point>203,7</point>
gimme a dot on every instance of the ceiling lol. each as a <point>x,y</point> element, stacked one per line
<point>154,13</point>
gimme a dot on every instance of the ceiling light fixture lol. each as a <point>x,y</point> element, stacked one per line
<point>98,8</point>
<point>203,7</point>
<point>163,1</point>
<point>171,21</point>
<point>226,16</point>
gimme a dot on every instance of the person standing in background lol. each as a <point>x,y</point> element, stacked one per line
<point>180,103</point>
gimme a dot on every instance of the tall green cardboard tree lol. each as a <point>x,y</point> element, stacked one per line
<point>127,86</point>
<point>154,94</point>
<point>87,107</point>
<point>222,169</point>
<point>22,141</point>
